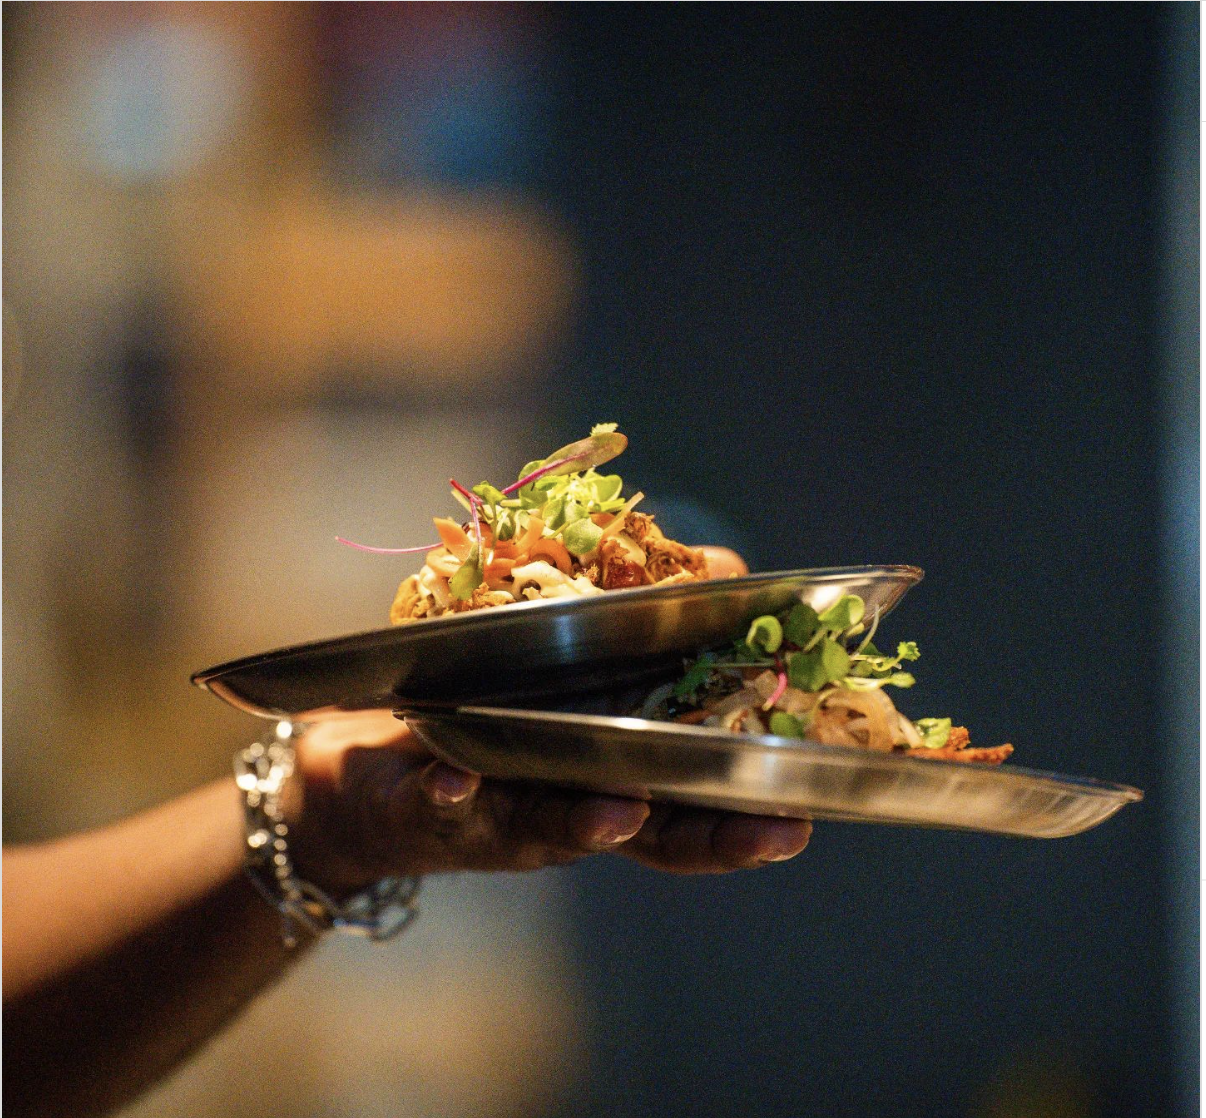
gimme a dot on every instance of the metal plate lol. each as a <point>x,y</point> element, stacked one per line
<point>534,652</point>
<point>764,775</point>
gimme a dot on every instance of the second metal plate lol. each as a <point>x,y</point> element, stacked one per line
<point>764,775</point>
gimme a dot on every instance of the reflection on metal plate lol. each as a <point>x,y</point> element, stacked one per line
<point>764,775</point>
<point>534,653</point>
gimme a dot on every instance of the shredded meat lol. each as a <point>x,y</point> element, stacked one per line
<point>668,557</point>
<point>639,526</point>
<point>410,603</point>
<point>483,597</point>
<point>616,570</point>
<point>957,748</point>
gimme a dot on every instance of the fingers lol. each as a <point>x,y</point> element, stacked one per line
<point>447,819</point>
<point>380,809</point>
<point>724,562</point>
<point>687,840</point>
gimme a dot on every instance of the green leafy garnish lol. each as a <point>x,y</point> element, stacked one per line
<point>696,676</point>
<point>469,576</point>
<point>827,663</point>
<point>582,537</point>
<point>845,613</point>
<point>800,624</point>
<point>817,652</point>
<point>786,725</point>
<point>935,732</point>
<point>765,633</point>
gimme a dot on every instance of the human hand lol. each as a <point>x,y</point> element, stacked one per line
<point>369,801</point>
<point>372,801</point>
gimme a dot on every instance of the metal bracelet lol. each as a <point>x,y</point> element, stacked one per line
<point>379,912</point>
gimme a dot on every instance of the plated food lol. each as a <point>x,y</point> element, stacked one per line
<point>793,717</point>
<point>561,530</point>
<point>804,674</point>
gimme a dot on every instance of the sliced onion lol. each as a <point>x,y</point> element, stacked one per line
<point>909,734</point>
<point>839,708</point>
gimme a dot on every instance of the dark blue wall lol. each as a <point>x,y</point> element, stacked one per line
<point>877,284</point>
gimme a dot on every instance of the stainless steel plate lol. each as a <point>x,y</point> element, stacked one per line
<point>764,775</point>
<point>535,651</point>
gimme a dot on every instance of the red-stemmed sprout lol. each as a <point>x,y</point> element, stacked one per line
<point>386,550</point>
<point>474,501</point>
<point>780,687</point>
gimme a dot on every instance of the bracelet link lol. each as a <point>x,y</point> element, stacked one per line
<point>377,913</point>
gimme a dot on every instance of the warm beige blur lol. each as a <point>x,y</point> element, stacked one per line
<point>246,289</point>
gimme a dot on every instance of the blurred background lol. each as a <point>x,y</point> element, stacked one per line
<point>862,283</point>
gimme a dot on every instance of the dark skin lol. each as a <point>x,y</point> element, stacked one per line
<point>124,952</point>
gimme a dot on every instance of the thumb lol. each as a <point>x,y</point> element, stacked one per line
<point>449,790</point>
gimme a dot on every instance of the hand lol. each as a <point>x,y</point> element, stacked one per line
<point>369,801</point>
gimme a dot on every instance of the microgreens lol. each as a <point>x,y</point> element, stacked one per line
<point>563,490</point>
<point>811,652</point>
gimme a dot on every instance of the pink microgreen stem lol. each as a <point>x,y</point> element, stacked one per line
<point>474,501</point>
<point>777,694</point>
<point>535,474</point>
<point>386,550</point>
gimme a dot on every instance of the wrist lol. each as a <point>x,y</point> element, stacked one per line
<point>282,825</point>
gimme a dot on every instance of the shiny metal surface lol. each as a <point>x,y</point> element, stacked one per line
<point>534,652</point>
<point>764,775</point>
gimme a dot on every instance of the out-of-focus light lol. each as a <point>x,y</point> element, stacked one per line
<point>13,359</point>
<point>159,99</point>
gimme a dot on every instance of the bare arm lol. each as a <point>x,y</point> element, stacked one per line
<point>127,947</point>
<point>124,948</point>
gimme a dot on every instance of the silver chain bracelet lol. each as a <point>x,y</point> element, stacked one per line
<point>379,912</point>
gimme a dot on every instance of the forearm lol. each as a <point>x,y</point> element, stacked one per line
<point>125,949</point>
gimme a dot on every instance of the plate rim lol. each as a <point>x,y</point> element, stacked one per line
<point>716,736</point>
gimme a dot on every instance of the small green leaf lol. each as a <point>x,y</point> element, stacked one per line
<point>582,536</point>
<point>765,633</point>
<point>836,660</point>
<point>603,429</point>
<point>554,513</point>
<point>846,611</point>
<point>606,487</point>
<point>935,732</point>
<point>786,725</point>
<point>802,622</point>
<point>468,577</point>
<point>901,679</point>
<point>696,677</point>
<point>488,493</point>
<point>907,650</point>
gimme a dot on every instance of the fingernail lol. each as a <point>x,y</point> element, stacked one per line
<point>614,838</point>
<point>442,797</point>
<point>446,785</point>
<point>768,858</point>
